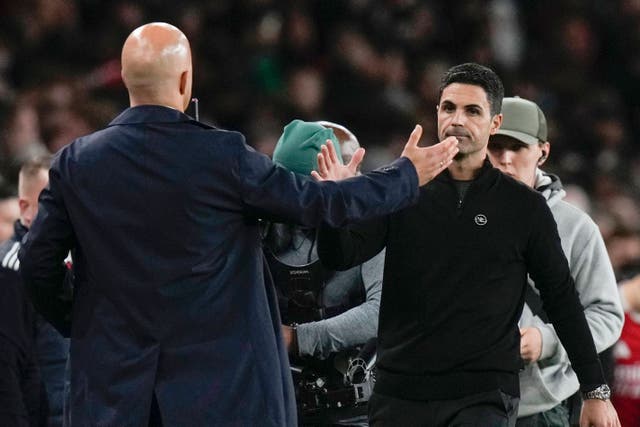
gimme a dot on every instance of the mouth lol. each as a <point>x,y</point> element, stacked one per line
<point>458,135</point>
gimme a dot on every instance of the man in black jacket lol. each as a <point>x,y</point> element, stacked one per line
<point>455,274</point>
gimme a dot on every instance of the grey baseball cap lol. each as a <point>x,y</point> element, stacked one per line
<point>523,120</point>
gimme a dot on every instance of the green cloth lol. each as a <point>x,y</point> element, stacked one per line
<point>299,145</point>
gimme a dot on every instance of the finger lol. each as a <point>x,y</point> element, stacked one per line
<point>450,140</point>
<point>326,150</point>
<point>443,153</point>
<point>333,157</point>
<point>451,145</point>
<point>356,159</point>
<point>322,165</point>
<point>415,136</point>
<point>315,175</point>
<point>446,148</point>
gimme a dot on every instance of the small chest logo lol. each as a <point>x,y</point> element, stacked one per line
<point>480,220</point>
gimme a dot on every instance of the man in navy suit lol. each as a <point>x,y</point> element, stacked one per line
<point>172,297</point>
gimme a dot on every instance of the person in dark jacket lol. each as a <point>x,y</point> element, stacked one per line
<point>23,397</point>
<point>52,349</point>
<point>454,280</point>
<point>172,300</point>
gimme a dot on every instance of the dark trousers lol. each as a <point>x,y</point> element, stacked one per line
<point>488,409</point>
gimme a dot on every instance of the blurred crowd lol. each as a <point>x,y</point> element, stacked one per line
<point>373,65</point>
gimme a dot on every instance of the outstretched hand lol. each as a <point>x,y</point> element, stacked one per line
<point>331,169</point>
<point>429,161</point>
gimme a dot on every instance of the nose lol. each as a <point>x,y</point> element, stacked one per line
<point>458,117</point>
<point>504,157</point>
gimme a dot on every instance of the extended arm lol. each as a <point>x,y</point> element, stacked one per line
<point>277,194</point>
<point>274,193</point>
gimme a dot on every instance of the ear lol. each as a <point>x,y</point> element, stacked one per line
<point>496,122</point>
<point>545,149</point>
<point>24,205</point>
<point>184,81</point>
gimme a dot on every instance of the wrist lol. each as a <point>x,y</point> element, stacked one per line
<point>601,392</point>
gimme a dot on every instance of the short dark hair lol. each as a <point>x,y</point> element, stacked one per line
<point>478,75</point>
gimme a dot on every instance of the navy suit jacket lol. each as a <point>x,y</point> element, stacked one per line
<point>172,295</point>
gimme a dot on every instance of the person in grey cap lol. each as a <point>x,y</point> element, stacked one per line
<point>328,316</point>
<point>518,149</point>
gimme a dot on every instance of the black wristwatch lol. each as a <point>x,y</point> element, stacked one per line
<point>602,392</point>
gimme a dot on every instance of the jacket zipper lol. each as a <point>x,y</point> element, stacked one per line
<point>461,199</point>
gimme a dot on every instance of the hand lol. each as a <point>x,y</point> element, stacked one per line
<point>429,161</point>
<point>330,168</point>
<point>287,336</point>
<point>530,344</point>
<point>290,339</point>
<point>598,413</point>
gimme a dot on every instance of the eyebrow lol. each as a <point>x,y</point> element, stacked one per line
<point>446,101</point>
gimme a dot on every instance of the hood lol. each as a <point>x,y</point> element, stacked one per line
<point>550,187</point>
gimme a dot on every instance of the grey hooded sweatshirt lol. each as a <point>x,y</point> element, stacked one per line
<point>551,380</point>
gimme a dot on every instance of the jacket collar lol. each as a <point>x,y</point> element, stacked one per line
<point>486,172</point>
<point>150,114</point>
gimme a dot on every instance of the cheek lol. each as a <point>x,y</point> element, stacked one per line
<point>525,165</point>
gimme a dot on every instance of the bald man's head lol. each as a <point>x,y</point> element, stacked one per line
<point>156,66</point>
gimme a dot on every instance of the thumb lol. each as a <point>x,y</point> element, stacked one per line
<point>414,138</point>
<point>356,159</point>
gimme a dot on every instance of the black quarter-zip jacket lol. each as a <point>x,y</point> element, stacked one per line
<point>453,289</point>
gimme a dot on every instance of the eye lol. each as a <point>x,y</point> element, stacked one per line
<point>474,111</point>
<point>447,108</point>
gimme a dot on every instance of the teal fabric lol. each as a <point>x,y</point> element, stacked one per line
<point>298,147</point>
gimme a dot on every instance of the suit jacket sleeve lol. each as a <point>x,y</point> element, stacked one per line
<point>274,193</point>
<point>42,255</point>
<point>343,248</point>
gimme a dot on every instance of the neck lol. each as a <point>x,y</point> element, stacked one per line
<point>136,100</point>
<point>466,168</point>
